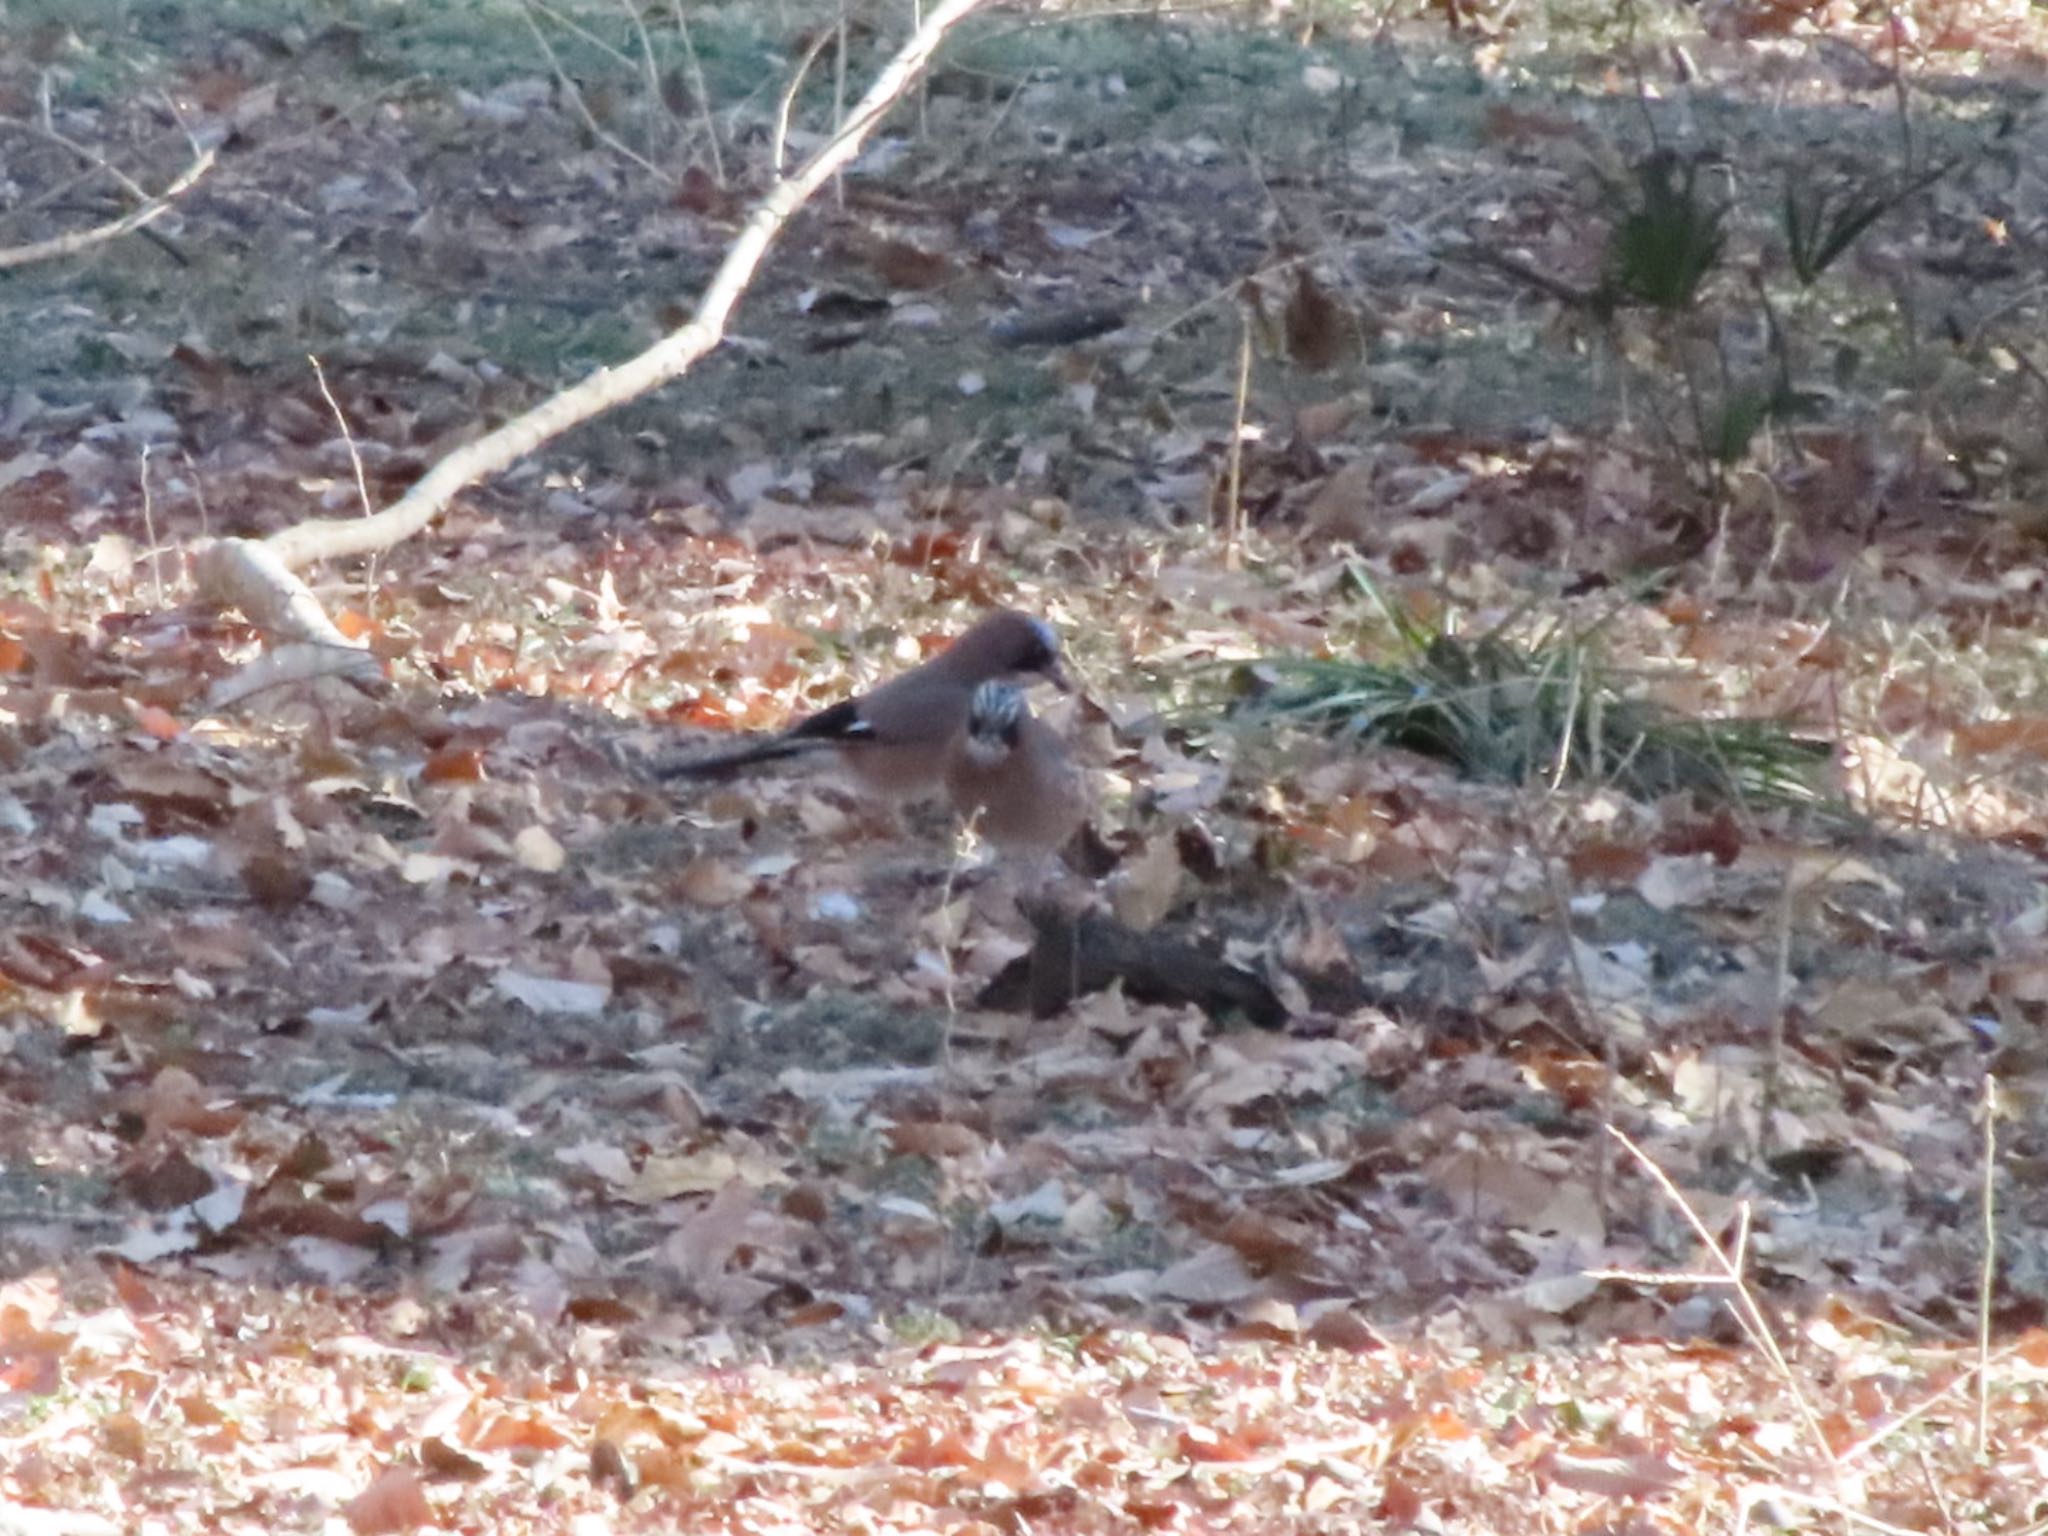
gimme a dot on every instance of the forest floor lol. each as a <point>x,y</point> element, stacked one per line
<point>413,1115</point>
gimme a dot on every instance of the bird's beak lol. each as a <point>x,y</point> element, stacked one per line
<point>1057,676</point>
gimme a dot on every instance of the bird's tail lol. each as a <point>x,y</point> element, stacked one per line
<point>724,765</point>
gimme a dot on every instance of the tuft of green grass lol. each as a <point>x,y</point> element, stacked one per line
<point>1669,238</point>
<point>1541,710</point>
<point>1821,220</point>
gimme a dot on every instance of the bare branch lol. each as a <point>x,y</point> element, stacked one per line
<point>128,223</point>
<point>672,356</point>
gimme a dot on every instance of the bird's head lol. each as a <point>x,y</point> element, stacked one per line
<point>1011,646</point>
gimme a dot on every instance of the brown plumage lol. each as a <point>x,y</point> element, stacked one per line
<point>896,740</point>
<point>1013,775</point>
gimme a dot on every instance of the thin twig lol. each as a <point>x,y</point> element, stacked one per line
<point>79,240</point>
<point>839,100</point>
<point>1444,211</point>
<point>569,23</point>
<point>1148,12</point>
<point>780,134</point>
<point>609,140</point>
<point>1781,1000</point>
<point>1582,987</point>
<point>970,149</point>
<point>198,494</point>
<point>668,358</point>
<point>923,83</point>
<point>657,109</point>
<point>1987,1276</point>
<point>1934,1489</point>
<point>703,91</point>
<point>1758,1493</point>
<point>1894,26</point>
<point>94,161</point>
<point>156,554</point>
<point>1568,725</point>
<point>1748,1313</point>
<point>1856,1450</point>
<point>355,460</point>
<point>1233,506</point>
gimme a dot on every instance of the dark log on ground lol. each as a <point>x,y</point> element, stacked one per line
<point>1074,954</point>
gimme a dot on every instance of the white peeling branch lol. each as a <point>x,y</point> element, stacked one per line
<point>292,664</point>
<point>247,574</point>
<point>99,234</point>
<point>672,356</point>
<point>257,575</point>
<point>244,574</point>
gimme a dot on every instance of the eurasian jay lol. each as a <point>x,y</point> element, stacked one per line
<point>897,740</point>
<point>1013,776</point>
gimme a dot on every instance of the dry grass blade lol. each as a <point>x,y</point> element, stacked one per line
<point>1747,1312</point>
<point>1988,1276</point>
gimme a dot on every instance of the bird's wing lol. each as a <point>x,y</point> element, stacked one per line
<point>843,722</point>
<point>915,710</point>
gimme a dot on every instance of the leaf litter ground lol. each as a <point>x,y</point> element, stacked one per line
<point>413,1115</point>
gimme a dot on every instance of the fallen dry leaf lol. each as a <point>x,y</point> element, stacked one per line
<point>712,882</point>
<point>394,1502</point>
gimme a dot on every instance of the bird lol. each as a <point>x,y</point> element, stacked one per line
<point>897,740</point>
<point>1011,775</point>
